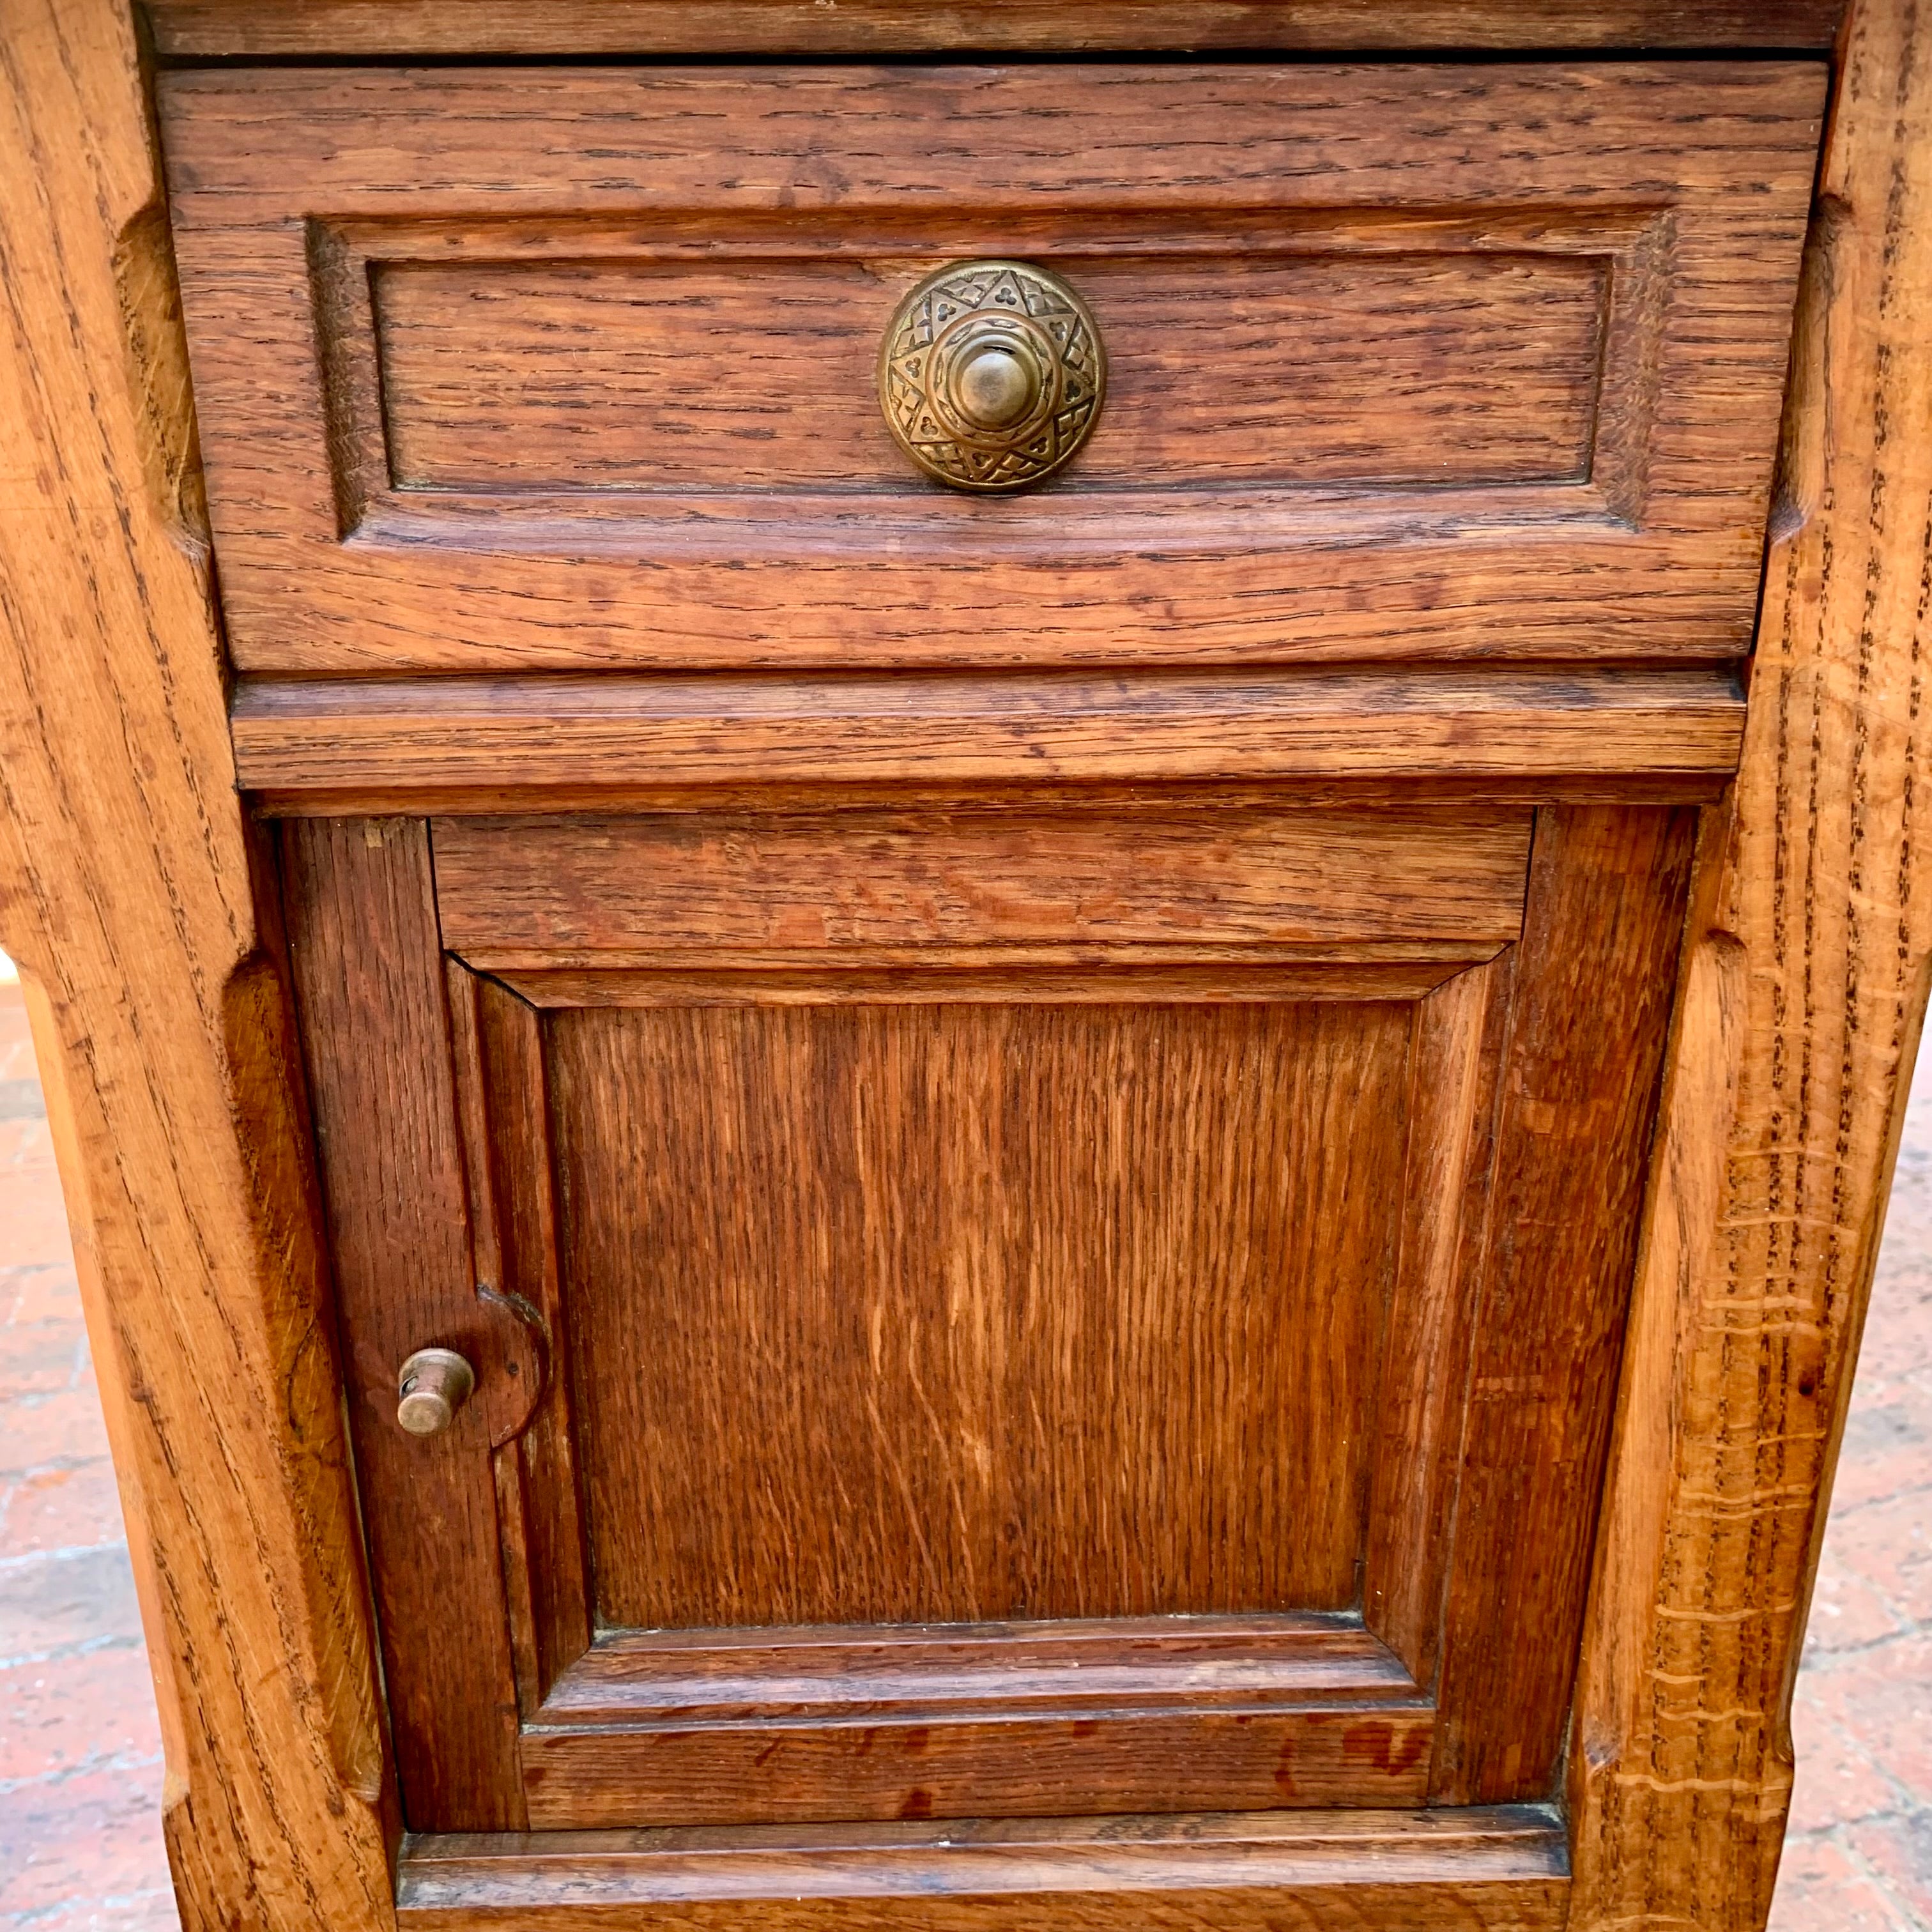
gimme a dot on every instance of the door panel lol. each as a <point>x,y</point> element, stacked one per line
<point>953,1314</point>
<point>957,1339</point>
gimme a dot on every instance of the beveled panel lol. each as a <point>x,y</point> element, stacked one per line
<point>943,1314</point>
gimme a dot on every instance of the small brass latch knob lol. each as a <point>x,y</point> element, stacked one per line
<point>991,375</point>
<point>431,1387</point>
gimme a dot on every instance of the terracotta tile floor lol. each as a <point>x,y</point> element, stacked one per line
<point>80,1766</point>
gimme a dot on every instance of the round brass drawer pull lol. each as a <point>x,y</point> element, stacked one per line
<point>991,375</point>
<point>431,1387</point>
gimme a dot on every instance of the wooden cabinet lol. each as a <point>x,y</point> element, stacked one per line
<point>1025,1301</point>
<point>1084,1160</point>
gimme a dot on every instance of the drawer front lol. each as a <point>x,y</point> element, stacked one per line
<point>552,368</point>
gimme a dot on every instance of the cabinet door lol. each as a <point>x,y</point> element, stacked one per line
<point>1081,1305</point>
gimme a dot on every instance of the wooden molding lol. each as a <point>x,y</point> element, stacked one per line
<point>1498,1870</point>
<point>230,29</point>
<point>313,744</point>
<point>1809,951</point>
<point>1310,1704</point>
<point>127,891</point>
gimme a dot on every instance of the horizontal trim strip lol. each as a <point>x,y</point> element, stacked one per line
<point>1500,1867</point>
<point>941,1671</point>
<point>324,29</point>
<point>446,735</point>
<point>1106,986</point>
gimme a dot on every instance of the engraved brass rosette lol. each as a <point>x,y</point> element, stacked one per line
<point>991,375</point>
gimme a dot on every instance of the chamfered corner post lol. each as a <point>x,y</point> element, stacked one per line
<point>1804,987</point>
<point>128,891</point>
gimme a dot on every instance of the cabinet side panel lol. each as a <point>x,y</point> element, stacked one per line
<point>1811,945</point>
<point>162,1023</point>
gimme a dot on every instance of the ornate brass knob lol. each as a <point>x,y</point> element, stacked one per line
<point>991,375</point>
<point>431,1387</point>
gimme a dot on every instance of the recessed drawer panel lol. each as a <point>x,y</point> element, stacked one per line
<point>571,369</point>
<point>502,380</point>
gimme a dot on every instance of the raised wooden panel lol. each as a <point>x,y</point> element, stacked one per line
<point>982,1309</point>
<point>1499,1871</point>
<point>555,369</point>
<point>945,1314</point>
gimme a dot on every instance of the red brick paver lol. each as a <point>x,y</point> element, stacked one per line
<point>80,1752</point>
<point>1860,1851</point>
<point>80,1768</point>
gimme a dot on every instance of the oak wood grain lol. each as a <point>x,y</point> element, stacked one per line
<point>1088,1663</point>
<point>1457,1053</point>
<point>991,1763</point>
<point>200,29</point>
<point>1601,934</point>
<point>503,1093</point>
<point>1503,1870</point>
<point>124,886</point>
<point>1810,950</point>
<point>1092,980</point>
<point>566,736</point>
<point>369,977</point>
<point>129,895</point>
<point>951,1313</point>
<point>983,887</point>
<point>1274,371</point>
<point>970,1720</point>
<point>780,196</point>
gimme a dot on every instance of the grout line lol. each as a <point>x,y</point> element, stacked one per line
<point>90,1766</point>
<point>65,1653</point>
<point>65,1552</point>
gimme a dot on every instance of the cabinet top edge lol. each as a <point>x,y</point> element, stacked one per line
<point>193,31</point>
